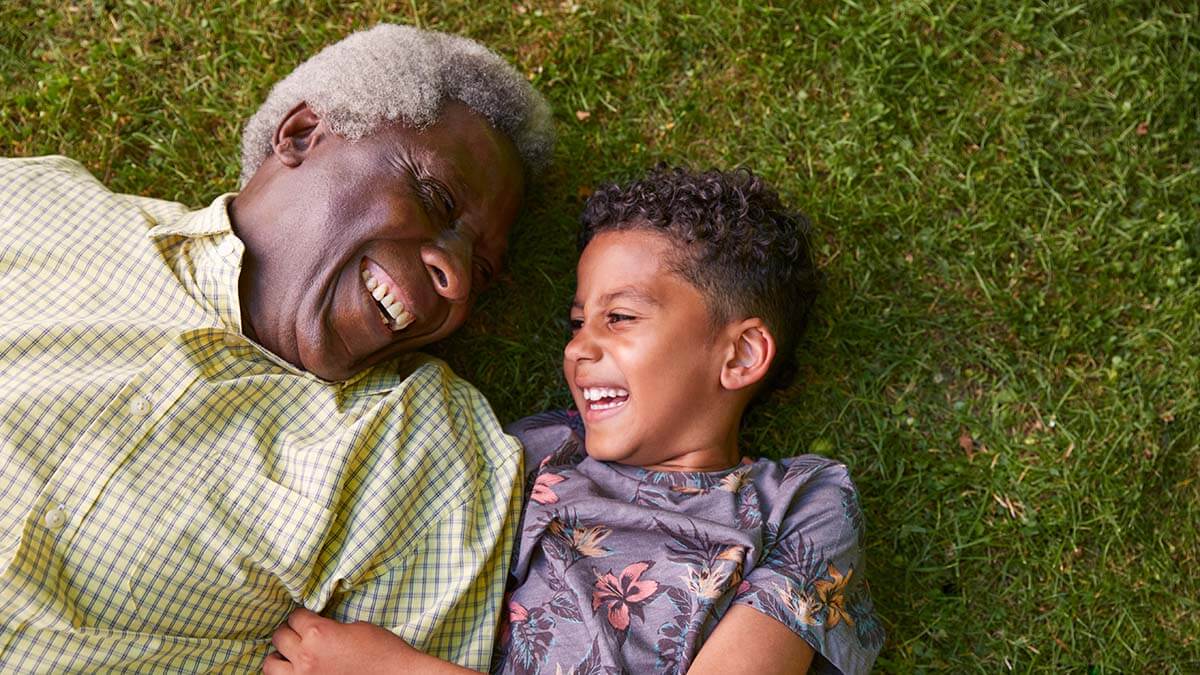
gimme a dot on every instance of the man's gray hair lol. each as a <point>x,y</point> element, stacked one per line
<point>401,73</point>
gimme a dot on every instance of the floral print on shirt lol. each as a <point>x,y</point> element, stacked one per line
<point>621,569</point>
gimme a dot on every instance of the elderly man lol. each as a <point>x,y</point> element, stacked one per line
<point>209,417</point>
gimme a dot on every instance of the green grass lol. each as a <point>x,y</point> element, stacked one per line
<point>1007,197</point>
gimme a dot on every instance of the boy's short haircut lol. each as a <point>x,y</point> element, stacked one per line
<point>739,246</point>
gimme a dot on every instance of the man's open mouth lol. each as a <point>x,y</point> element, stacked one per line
<point>384,290</point>
<point>605,398</point>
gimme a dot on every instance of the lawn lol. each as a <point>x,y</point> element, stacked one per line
<point>1007,205</point>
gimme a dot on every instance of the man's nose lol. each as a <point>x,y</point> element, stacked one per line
<point>449,270</point>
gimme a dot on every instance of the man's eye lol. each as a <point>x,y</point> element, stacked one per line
<point>436,197</point>
<point>614,317</point>
<point>484,270</point>
<point>576,325</point>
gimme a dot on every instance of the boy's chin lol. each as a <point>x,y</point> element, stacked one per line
<point>601,451</point>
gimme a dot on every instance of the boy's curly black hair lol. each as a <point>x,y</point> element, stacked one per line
<point>740,246</point>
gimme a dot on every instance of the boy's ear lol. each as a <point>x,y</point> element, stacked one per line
<point>296,134</point>
<point>751,352</point>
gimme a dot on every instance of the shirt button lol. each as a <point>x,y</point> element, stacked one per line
<point>228,250</point>
<point>55,518</point>
<point>232,340</point>
<point>139,406</point>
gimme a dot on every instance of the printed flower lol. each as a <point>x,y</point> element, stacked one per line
<point>709,581</point>
<point>587,541</point>
<point>734,554</point>
<point>800,605</point>
<point>542,493</point>
<point>734,481</point>
<point>584,541</point>
<point>832,595</point>
<point>517,612</point>
<point>705,583</point>
<point>530,634</point>
<point>625,595</point>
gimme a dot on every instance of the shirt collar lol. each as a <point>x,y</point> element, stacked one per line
<point>223,265</point>
<point>209,221</point>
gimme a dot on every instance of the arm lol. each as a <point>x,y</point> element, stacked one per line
<point>310,643</point>
<point>748,641</point>
<point>426,523</point>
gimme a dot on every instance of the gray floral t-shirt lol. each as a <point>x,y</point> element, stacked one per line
<point>620,569</point>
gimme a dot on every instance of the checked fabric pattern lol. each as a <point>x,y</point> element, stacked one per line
<point>169,491</point>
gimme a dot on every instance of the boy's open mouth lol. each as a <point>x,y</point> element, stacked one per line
<point>605,398</point>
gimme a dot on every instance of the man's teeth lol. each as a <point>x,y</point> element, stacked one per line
<point>600,393</point>
<point>398,318</point>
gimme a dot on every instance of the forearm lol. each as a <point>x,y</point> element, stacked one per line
<point>421,663</point>
<point>747,641</point>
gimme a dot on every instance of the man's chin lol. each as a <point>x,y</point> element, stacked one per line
<point>334,369</point>
<point>340,363</point>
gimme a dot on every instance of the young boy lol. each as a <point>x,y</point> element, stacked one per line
<point>650,544</point>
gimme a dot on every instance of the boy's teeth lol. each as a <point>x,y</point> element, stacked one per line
<point>598,393</point>
<point>606,406</point>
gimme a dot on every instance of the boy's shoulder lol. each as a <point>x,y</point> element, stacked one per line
<point>805,481</point>
<point>546,434</point>
<point>813,467</point>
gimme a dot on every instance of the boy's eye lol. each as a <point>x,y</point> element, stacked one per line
<point>576,325</point>
<point>614,317</point>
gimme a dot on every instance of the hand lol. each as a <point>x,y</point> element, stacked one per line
<point>310,643</point>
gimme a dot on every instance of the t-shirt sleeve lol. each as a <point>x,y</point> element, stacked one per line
<point>553,437</point>
<point>811,574</point>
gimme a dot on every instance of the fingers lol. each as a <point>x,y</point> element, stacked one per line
<point>286,640</point>
<point>276,665</point>
<point>302,618</point>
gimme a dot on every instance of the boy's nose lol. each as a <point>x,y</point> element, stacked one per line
<point>580,347</point>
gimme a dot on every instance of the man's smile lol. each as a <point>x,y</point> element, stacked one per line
<point>386,293</point>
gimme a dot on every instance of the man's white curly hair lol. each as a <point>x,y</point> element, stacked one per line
<point>401,73</point>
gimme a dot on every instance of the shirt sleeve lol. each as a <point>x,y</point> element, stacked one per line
<point>810,577</point>
<point>440,597</point>
<point>554,438</point>
<point>427,523</point>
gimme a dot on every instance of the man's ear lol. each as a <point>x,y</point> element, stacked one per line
<point>751,352</point>
<point>296,134</point>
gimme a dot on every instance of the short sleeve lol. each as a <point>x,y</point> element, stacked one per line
<point>811,573</point>
<point>554,437</point>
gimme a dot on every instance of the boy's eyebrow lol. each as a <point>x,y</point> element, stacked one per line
<point>628,292</point>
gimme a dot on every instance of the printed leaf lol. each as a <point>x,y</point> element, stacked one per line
<point>564,606</point>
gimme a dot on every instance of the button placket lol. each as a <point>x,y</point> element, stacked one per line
<point>228,251</point>
<point>55,518</point>
<point>139,406</point>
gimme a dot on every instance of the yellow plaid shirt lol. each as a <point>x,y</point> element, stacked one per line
<point>169,490</point>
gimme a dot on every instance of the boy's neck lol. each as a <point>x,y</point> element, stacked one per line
<point>719,454</point>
